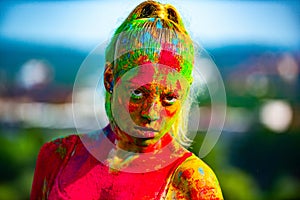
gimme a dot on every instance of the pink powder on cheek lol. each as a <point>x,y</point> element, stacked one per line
<point>170,113</point>
<point>133,107</point>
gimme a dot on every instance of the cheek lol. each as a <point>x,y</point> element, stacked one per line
<point>123,108</point>
<point>133,107</point>
<point>172,110</point>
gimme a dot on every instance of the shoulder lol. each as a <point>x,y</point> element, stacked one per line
<point>53,153</point>
<point>59,147</point>
<point>51,157</point>
<point>194,179</point>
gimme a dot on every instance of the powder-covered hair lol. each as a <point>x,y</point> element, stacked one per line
<point>152,33</point>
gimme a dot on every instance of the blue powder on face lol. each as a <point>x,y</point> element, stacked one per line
<point>201,170</point>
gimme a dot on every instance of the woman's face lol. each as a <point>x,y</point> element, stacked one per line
<point>147,100</point>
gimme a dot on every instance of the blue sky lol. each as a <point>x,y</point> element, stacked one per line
<point>84,24</point>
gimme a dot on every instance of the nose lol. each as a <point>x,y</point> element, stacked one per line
<point>151,110</point>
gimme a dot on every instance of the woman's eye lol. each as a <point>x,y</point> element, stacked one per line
<point>169,100</point>
<point>136,94</point>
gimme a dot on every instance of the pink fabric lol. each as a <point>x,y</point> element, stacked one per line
<point>66,170</point>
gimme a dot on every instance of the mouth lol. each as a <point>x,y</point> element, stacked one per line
<point>145,129</point>
<point>147,132</point>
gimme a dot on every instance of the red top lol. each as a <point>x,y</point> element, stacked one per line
<point>66,170</point>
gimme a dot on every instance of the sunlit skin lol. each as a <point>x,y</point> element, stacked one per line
<point>148,101</point>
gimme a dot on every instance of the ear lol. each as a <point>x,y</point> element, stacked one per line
<point>108,79</point>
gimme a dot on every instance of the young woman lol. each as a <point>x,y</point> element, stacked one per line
<point>139,154</point>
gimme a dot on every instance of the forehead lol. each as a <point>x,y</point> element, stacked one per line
<point>155,75</point>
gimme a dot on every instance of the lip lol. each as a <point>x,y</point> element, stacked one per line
<point>145,129</point>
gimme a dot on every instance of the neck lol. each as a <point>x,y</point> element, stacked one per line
<point>128,143</point>
<point>133,144</point>
<point>127,151</point>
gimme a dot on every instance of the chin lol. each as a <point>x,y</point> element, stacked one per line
<point>144,142</point>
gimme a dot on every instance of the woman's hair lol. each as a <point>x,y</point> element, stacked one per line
<point>152,33</point>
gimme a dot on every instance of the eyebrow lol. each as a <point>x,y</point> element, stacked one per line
<point>134,83</point>
<point>147,86</point>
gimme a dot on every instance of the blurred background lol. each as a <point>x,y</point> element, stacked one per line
<point>255,44</point>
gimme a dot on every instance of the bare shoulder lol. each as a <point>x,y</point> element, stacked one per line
<point>194,179</point>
